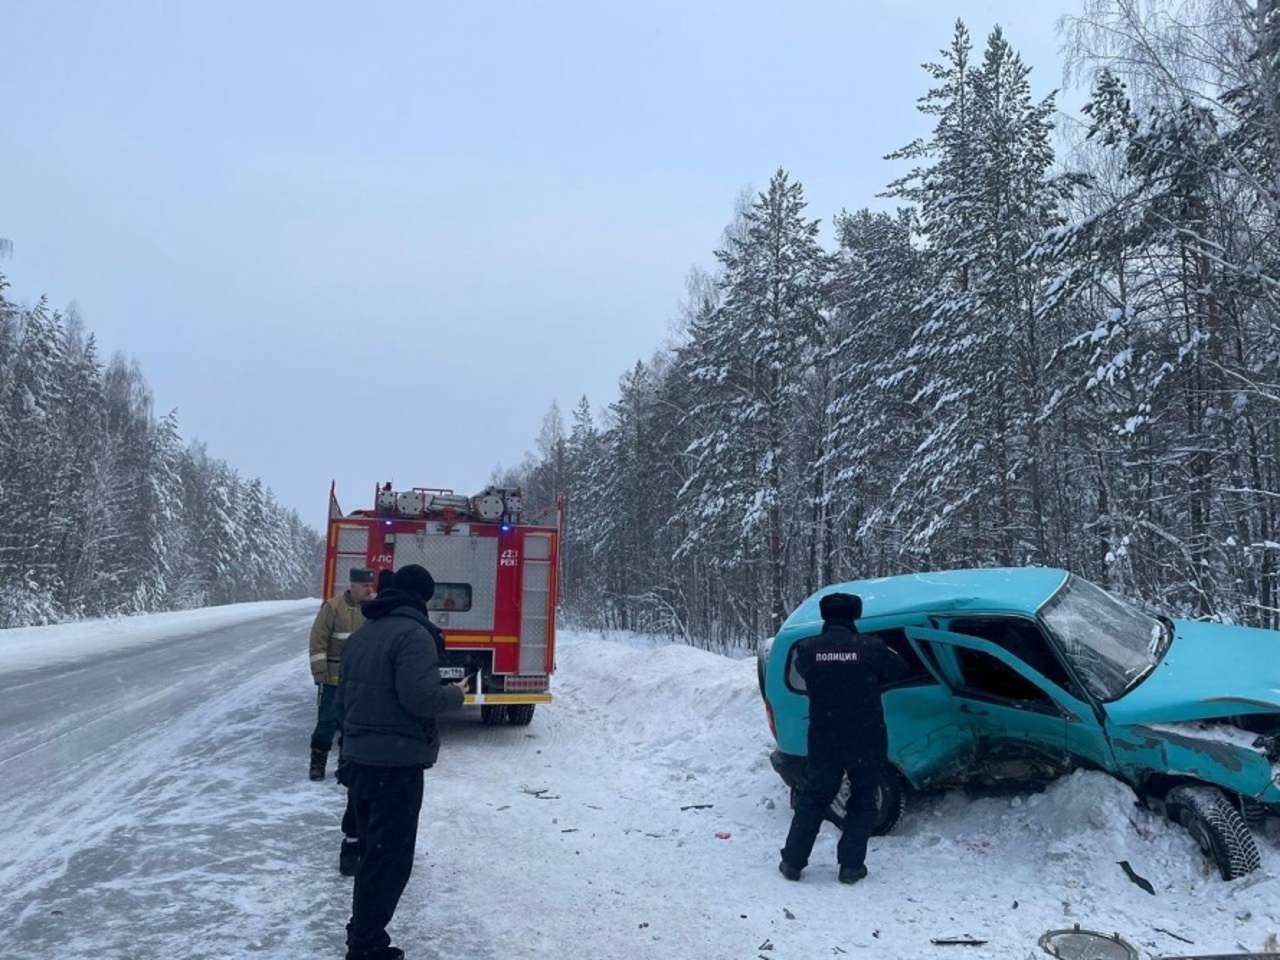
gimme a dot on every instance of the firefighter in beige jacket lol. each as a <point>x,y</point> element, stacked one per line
<point>338,619</point>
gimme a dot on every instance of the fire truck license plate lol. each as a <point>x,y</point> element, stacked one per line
<point>453,673</point>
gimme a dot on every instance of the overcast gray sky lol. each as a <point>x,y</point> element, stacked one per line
<point>376,241</point>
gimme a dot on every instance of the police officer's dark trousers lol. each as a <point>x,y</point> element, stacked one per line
<point>823,774</point>
<point>387,801</point>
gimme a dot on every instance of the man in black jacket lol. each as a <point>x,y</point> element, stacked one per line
<point>390,695</point>
<point>349,855</point>
<point>844,672</point>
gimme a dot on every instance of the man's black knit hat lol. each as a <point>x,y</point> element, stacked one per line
<point>414,579</point>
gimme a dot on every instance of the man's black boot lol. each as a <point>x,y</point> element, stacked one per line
<point>349,857</point>
<point>788,871</point>
<point>380,953</point>
<point>852,874</point>
<point>318,759</point>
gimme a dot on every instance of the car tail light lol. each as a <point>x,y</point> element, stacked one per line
<point>768,712</point>
<point>525,684</point>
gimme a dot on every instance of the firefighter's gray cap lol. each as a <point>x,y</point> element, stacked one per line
<point>361,575</point>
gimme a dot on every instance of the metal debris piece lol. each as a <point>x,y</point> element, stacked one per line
<point>1132,874</point>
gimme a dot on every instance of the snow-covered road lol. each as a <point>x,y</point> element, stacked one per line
<point>155,774</point>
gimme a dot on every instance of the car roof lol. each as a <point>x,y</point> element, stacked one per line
<point>991,589</point>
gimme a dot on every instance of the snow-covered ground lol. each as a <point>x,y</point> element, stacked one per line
<point>154,772</point>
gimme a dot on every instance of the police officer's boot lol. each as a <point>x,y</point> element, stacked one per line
<point>852,874</point>
<point>318,759</point>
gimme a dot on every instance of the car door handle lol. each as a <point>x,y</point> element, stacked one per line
<point>965,708</point>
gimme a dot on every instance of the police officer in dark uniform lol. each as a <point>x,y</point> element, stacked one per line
<point>844,672</point>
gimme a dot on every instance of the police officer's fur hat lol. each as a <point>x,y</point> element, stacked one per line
<point>414,579</point>
<point>360,575</point>
<point>840,607</point>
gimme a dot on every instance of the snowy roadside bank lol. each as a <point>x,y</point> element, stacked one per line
<point>25,648</point>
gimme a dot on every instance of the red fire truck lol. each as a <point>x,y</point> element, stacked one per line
<point>496,578</point>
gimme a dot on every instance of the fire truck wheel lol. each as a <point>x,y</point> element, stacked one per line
<point>520,714</point>
<point>492,716</point>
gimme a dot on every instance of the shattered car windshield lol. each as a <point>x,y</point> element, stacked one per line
<point>1111,644</point>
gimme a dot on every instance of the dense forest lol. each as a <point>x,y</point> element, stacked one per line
<point>1057,343</point>
<point>1052,339</point>
<point>103,508</point>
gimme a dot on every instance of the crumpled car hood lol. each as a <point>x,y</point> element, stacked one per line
<point>1210,670</point>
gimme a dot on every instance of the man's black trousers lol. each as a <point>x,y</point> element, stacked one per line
<point>349,828</point>
<point>387,801</point>
<point>823,775</point>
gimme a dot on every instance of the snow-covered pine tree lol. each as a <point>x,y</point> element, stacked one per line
<point>162,560</point>
<point>79,523</point>
<point>757,352</point>
<point>257,566</point>
<point>872,425</point>
<point>128,423</point>
<point>33,406</point>
<point>625,519</point>
<point>581,584</point>
<point>971,491</point>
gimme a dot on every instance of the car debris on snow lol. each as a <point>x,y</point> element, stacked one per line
<point>1133,875</point>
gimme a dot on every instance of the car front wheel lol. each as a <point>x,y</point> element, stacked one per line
<point>1217,827</point>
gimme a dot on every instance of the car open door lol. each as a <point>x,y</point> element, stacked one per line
<point>1007,701</point>
<point>928,739</point>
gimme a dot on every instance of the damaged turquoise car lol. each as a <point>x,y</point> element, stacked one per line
<point>1021,675</point>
